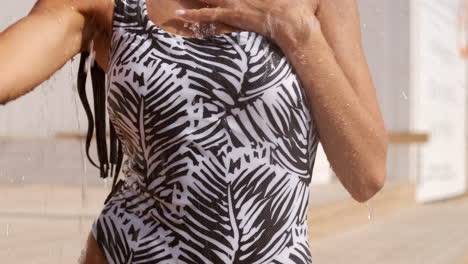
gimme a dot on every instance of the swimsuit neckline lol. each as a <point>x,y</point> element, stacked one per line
<point>222,35</point>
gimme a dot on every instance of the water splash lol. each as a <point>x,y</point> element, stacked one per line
<point>195,27</point>
<point>199,31</point>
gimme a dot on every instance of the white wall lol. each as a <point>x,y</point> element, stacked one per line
<point>439,82</point>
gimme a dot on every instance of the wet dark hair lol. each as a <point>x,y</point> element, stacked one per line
<point>98,78</point>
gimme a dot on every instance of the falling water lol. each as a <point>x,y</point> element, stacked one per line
<point>404,95</point>
<point>84,194</point>
<point>106,184</point>
<point>92,57</point>
<point>370,214</point>
<point>49,139</point>
<point>77,114</point>
<point>45,88</point>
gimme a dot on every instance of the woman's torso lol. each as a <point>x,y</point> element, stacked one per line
<point>219,139</point>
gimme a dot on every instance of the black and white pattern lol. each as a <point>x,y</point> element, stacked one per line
<point>220,146</point>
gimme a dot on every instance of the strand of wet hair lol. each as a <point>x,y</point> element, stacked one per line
<point>116,153</point>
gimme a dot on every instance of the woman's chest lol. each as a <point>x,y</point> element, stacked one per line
<point>244,76</point>
<point>160,12</point>
<point>236,64</point>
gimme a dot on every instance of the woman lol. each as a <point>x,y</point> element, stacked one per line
<point>220,129</point>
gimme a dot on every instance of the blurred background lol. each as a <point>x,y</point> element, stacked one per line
<point>416,52</point>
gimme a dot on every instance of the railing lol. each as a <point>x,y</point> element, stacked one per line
<point>410,138</point>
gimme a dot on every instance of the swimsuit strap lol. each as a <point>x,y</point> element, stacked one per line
<point>128,15</point>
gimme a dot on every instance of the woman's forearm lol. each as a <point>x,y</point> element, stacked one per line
<point>354,140</point>
<point>35,47</point>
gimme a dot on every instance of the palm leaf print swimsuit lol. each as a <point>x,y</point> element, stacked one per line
<point>219,143</point>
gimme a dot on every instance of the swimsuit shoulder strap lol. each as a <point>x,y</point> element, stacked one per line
<point>128,14</point>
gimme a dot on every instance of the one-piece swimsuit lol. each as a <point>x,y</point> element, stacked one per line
<point>219,144</point>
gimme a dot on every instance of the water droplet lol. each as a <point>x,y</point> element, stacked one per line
<point>7,233</point>
<point>404,95</point>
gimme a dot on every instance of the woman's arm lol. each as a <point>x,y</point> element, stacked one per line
<point>38,45</point>
<point>333,69</point>
<point>322,40</point>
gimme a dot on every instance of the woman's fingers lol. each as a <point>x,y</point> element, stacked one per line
<point>270,18</point>
<point>220,3</point>
<point>217,14</point>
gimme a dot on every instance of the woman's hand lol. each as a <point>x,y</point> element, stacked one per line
<point>329,59</point>
<point>281,20</point>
